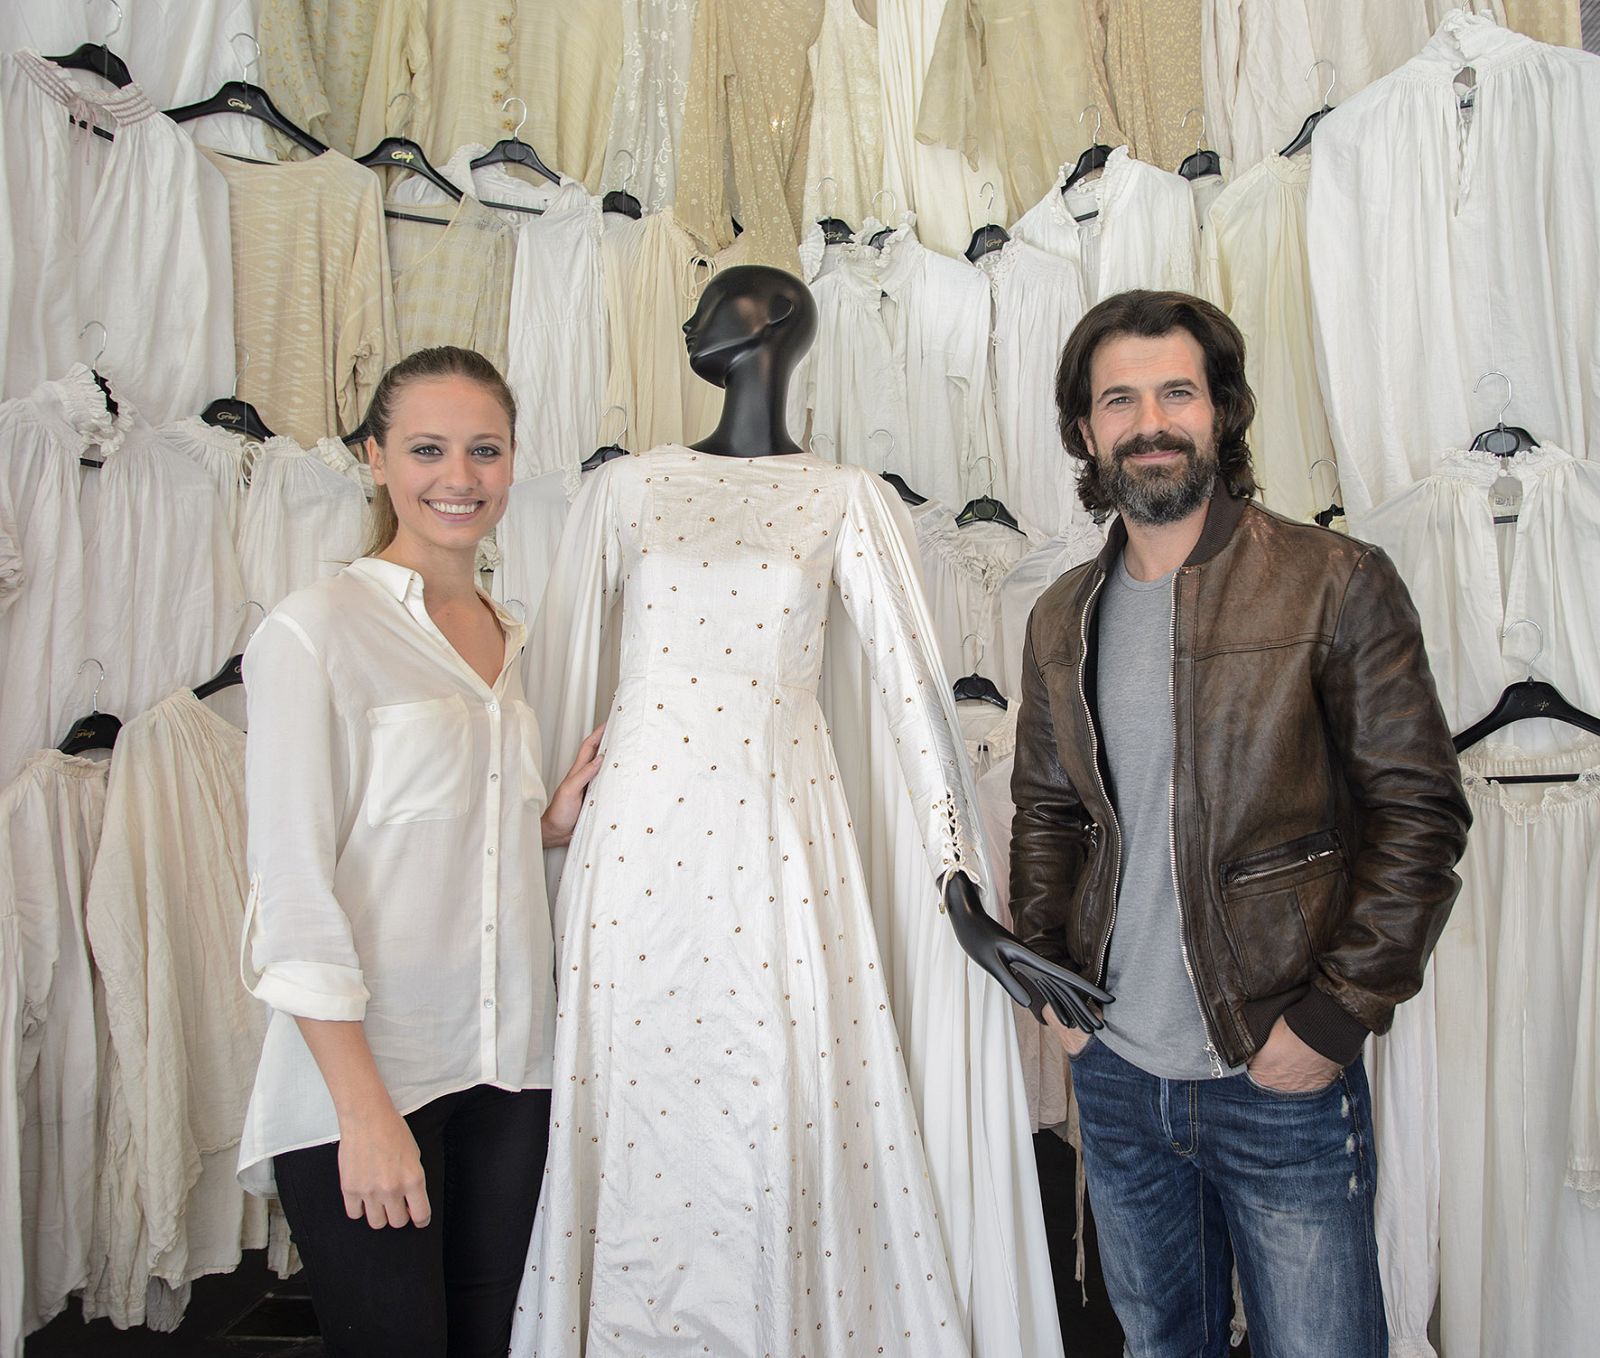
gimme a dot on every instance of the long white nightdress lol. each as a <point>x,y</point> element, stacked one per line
<point>752,1151</point>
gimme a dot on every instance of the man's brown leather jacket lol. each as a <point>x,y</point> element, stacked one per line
<point>1317,810</point>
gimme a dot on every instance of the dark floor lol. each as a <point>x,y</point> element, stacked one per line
<point>251,1314</point>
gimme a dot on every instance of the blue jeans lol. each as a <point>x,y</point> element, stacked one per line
<point>1187,1176</point>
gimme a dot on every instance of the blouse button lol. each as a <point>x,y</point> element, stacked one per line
<point>491,853</point>
<point>488,1004</point>
<point>488,928</point>
<point>494,777</point>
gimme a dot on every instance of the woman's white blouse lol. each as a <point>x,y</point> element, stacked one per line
<point>396,871</point>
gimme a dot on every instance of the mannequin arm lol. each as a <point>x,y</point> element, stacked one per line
<point>1028,978</point>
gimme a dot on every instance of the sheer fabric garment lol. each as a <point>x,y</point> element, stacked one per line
<point>49,827</point>
<point>223,455</point>
<point>165,908</point>
<point>1257,270</point>
<point>458,61</point>
<point>962,571</point>
<point>1146,60</point>
<point>313,305</point>
<point>932,181</point>
<point>1471,578</point>
<point>846,143</point>
<point>1450,243</point>
<point>647,112</point>
<point>749,101</point>
<point>305,517</point>
<point>559,364</point>
<point>453,286</point>
<point>179,52</point>
<point>131,233</point>
<point>655,270</point>
<point>731,1032</point>
<point>1005,85</point>
<point>1515,977</point>
<point>394,857</point>
<point>314,59</point>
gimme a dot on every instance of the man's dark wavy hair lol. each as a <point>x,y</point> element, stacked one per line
<point>1152,315</point>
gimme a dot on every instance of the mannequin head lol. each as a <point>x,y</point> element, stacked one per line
<point>750,313</point>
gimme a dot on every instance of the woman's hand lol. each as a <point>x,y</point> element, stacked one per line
<point>556,825</point>
<point>380,1171</point>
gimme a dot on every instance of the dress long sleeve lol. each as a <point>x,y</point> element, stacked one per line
<point>299,955</point>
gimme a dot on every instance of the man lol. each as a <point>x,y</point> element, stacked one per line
<point>1238,809</point>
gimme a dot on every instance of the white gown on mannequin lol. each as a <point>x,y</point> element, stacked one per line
<point>761,1140</point>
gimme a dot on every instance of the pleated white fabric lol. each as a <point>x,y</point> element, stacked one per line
<point>772,1118</point>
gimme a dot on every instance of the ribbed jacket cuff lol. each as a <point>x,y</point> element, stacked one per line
<point>1327,1027</point>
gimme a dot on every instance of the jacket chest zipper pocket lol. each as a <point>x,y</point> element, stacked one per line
<point>1301,858</point>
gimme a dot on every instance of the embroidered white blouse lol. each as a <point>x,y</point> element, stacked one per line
<point>396,875</point>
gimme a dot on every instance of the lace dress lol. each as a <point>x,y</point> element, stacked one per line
<point>746,1146</point>
<point>647,114</point>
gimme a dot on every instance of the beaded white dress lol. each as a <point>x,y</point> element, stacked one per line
<point>762,1142</point>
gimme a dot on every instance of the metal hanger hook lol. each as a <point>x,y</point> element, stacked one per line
<point>825,438</point>
<point>516,99</point>
<point>893,203</point>
<point>1311,475</point>
<point>244,66</point>
<point>245,608</point>
<point>987,192</point>
<point>977,462</point>
<point>112,31</point>
<point>623,411</point>
<point>621,152</point>
<point>890,453</point>
<point>977,664</point>
<point>104,336</point>
<point>1526,622</point>
<point>238,372</point>
<point>1500,420</point>
<point>1199,141</point>
<point>826,201</point>
<point>94,702</point>
<point>1333,79</point>
<point>1094,109</point>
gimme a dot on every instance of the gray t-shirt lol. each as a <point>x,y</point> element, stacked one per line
<point>1155,1022</point>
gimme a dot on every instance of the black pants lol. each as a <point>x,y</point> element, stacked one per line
<point>450,1287</point>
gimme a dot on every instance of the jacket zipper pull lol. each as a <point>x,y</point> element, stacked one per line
<point>1218,1070</point>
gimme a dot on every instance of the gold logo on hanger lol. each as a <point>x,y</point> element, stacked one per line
<point>407,156</point>
<point>241,105</point>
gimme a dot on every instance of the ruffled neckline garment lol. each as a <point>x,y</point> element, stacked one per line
<point>783,1106</point>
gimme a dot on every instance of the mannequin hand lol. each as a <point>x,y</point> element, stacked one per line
<point>1073,1040</point>
<point>561,816</point>
<point>1029,979</point>
<point>380,1171</point>
<point>1285,1063</point>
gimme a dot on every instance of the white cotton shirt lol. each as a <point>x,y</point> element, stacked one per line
<point>1257,270</point>
<point>304,517</point>
<point>1446,244</point>
<point>49,826</point>
<point>1471,578</point>
<point>131,232</point>
<point>395,863</point>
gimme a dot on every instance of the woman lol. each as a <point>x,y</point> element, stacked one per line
<point>398,924</point>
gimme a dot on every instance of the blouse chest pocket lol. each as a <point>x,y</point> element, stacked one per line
<point>529,754</point>
<point>421,761</point>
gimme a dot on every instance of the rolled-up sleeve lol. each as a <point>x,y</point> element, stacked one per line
<point>297,953</point>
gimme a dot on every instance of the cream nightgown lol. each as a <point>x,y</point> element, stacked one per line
<point>745,1149</point>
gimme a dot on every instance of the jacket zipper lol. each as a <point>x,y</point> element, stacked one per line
<point>1094,751</point>
<point>1254,873</point>
<point>1217,1067</point>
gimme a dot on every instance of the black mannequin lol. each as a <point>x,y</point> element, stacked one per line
<point>753,325</point>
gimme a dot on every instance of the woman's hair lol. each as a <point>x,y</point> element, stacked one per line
<point>445,361</point>
<point>1150,315</point>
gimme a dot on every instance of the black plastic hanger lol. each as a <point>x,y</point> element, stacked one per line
<point>112,408</point>
<point>882,235</point>
<point>1094,156</point>
<point>620,201</point>
<point>404,154</point>
<point>1526,699</point>
<point>986,509</point>
<point>989,237</point>
<point>98,59</point>
<point>835,230</point>
<point>98,730</point>
<point>514,151</point>
<point>240,96</point>
<point>232,671</point>
<point>905,492</point>
<point>229,412</point>
<point>610,451</point>
<point>1302,138</point>
<point>975,687</point>
<point>1200,163</point>
<point>1501,440</point>
<point>1334,509</point>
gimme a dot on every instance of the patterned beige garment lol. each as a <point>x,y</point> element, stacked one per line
<point>311,290</point>
<point>749,99</point>
<point>314,60</point>
<point>1009,78</point>
<point>452,284</point>
<point>1146,55</point>
<point>459,60</point>
<point>1556,21</point>
<point>846,116</point>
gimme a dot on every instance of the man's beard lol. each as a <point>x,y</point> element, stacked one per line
<point>1157,495</point>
